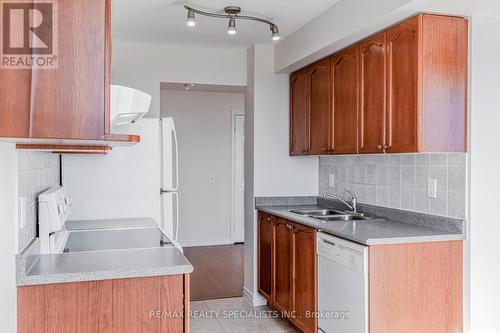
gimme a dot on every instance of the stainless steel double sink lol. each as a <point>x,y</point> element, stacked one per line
<point>330,215</point>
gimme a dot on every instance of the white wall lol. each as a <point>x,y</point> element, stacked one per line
<point>485,163</point>
<point>144,66</point>
<point>270,171</point>
<point>203,124</point>
<point>8,236</point>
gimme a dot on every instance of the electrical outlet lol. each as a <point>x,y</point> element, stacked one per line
<point>432,188</point>
<point>211,179</point>
<point>331,180</point>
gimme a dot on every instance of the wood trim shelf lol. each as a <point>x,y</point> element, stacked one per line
<point>65,149</point>
<point>64,146</point>
<point>122,138</point>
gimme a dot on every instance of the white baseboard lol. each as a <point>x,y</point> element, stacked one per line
<point>254,299</point>
<point>193,243</point>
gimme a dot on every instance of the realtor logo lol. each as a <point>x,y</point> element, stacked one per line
<point>29,36</point>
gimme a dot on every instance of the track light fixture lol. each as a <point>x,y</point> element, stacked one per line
<point>233,14</point>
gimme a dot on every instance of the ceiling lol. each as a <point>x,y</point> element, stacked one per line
<point>164,21</point>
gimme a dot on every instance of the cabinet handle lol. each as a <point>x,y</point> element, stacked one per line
<point>289,226</point>
<point>383,147</point>
<point>269,219</point>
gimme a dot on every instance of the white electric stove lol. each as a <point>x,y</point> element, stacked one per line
<point>57,234</point>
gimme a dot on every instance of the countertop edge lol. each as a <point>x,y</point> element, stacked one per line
<point>27,280</point>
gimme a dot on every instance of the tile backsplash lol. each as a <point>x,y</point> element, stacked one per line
<point>399,180</point>
<point>38,171</point>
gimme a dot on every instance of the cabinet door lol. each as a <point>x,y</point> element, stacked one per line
<point>319,107</point>
<point>372,85</point>
<point>402,83</point>
<point>344,139</point>
<point>282,272</point>
<point>299,113</point>
<point>265,241</point>
<point>304,286</point>
<point>15,103</point>
<point>69,102</point>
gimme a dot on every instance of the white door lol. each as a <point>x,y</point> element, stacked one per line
<point>238,179</point>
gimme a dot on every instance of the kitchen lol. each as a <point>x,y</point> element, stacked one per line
<point>417,156</point>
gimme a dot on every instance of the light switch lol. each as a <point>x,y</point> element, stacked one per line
<point>432,188</point>
<point>331,180</point>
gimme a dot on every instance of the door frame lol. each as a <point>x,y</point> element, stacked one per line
<point>234,114</point>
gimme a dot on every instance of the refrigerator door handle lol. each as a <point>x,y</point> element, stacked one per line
<point>176,149</point>
<point>176,195</point>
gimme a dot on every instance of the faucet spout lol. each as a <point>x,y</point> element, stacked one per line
<point>352,206</point>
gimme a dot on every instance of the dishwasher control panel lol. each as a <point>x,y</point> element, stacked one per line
<point>349,254</point>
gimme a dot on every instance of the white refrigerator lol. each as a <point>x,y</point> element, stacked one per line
<point>129,182</point>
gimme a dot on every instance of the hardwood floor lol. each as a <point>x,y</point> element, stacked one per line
<point>218,271</point>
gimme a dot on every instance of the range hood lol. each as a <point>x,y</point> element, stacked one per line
<point>128,105</point>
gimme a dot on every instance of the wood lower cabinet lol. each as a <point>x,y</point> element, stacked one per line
<point>282,278</point>
<point>121,306</point>
<point>266,236</point>
<point>291,270</point>
<point>408,92</point>
<point>304,280</point>
<point>416,287</point>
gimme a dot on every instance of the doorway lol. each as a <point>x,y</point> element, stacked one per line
<point>209,120</point>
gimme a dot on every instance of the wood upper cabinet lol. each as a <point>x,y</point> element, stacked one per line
<point>72,100</point>
<point>310,109</point>
<point>344,133</point>
<point>304,285</point>
<point>409,91</point>
<point>68,102</point>
<point>402,92</point>
<point>443,87</point>
<point>299,113</point>
<point>372,91</point>
<point>319,88</point>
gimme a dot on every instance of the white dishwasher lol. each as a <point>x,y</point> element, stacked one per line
<point>342,285</point>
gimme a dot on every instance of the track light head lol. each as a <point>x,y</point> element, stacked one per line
<point>275,34</point>
<point>191,22</point>
<point>231,29</point>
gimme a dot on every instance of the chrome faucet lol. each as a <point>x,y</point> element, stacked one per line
<point>354,201</point>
